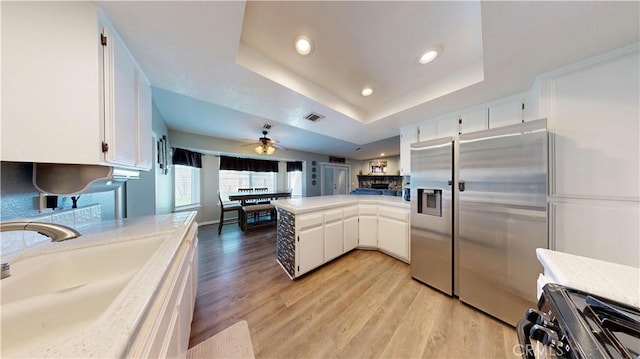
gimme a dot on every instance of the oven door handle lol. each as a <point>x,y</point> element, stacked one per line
<point>523,329</point>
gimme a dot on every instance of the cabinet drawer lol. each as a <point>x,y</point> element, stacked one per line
<point>309,220</point>
<point>394,213</point>
<point>350,211</point>
<point>332,215</point>
<point>371,209</point>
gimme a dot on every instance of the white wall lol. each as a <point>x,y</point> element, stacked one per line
<point>593,113</point>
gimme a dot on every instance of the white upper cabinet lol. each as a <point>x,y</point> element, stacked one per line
<point>439,127</point>
<point>408,136</point>
<point>121,84</point>
<point>508,112</point>
<point>428,131</point>
<point>127,105</point>
<point>61,101</point>
<point>474,120</point>
<point>448,126</point>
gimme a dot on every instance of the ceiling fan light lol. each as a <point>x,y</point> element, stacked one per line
<point>271,150</point>
<point>258,149</point>
<point>429,56</point>
<point>303,45</point>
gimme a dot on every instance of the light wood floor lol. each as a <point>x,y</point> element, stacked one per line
<point>361,305</point>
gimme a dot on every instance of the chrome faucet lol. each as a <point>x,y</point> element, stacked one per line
<point>56,232</point>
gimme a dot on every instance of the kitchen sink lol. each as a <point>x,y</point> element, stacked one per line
<point>52,295</point>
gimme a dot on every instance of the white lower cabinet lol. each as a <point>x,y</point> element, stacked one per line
<point>310,246</point>
<point>165,330</point>
<point>325,235</point>
<point>333,234</point>
<point>350,228</point>
<point>368,226</point>
<point>368,231</point>
<point>393,237</point>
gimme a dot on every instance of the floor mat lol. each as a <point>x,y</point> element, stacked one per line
<point>233,342</point>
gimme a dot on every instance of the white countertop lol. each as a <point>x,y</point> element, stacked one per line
<point>312,204</point>
<point>610,280</point>
<point>110,334</point>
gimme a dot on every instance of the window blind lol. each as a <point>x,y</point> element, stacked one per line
<point>294,166</point>
<point>186,158</point>
<point>247,164</point>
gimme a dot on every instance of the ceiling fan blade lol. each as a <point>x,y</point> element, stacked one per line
<point>278,146</point>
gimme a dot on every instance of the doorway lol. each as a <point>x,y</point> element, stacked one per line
<point>335,179</point>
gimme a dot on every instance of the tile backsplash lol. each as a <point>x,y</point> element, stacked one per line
<point>20,199</point>
<point>77,218</point>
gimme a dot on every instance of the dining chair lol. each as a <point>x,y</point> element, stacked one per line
<point>247,201</point>
<point>230,207</point>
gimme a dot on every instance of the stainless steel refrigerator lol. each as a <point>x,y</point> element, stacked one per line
<point>478,211</point>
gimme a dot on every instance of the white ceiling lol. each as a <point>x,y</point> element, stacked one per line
<point>223,69</point>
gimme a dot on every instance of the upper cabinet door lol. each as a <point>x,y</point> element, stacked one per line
<point>474,120</point>
<point>505,113</point>
<point>121,107</point>
<point>127,106</point>
<point>428,131</point>
<point>448,126</point>
<point>50,83</point>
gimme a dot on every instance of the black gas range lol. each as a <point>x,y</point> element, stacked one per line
<point>570,323</point>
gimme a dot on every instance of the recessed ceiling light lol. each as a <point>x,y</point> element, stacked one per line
<point>382,154</point>
<point>429,55</point>
<point>303,45</point>
<point>367,91</point>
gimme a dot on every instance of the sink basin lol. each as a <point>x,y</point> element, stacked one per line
<point>50,295</point>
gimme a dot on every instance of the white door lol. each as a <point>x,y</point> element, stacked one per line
<point>335,179</point>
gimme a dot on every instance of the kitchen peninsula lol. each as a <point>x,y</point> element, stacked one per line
<point>315,230</point>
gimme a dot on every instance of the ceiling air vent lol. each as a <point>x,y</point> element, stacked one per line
<point>267,126</point>
<point>313,117</point>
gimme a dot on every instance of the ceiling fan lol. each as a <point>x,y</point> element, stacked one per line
<point>266,145</point>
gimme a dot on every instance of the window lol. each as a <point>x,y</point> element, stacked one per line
<point>294,182</point>
<point>187,186</point>
<point>230,181</point>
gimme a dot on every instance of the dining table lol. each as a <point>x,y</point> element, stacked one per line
<point>243,197</point>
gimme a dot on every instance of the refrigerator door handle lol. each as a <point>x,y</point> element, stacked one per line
<point>461,186</point>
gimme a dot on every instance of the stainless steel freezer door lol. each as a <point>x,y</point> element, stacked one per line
<point>502,217</point>
<point>431,233</point>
